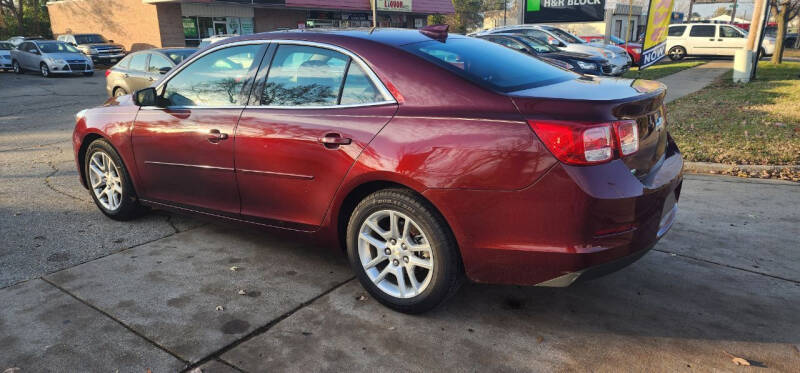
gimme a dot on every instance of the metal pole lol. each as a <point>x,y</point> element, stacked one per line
<point>374,13</point>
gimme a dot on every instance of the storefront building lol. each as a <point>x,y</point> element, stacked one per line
<point>142,24</point>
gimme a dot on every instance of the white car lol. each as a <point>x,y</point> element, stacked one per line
<point>618,59</point>
<point>5,55</point>
<point>709,39</point>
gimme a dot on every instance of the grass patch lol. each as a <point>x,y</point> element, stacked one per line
<point>660,70</point>
<point>754,123</point>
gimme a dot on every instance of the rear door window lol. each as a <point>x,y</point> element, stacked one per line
<point>138,62</point>
<point>158,62</point>
<point>477,60</point>
<point>729,32</point>
<point>703,31</point>
<point>358,88</point>
<point>304,76</point>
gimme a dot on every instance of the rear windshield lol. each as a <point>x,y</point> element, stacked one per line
<point>488,64</point>
<point>179,56</point>
<point>90,39</point>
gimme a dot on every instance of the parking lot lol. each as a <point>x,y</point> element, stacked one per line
<point>84,293</point>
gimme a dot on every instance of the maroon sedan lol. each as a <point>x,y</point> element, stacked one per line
<point>428,158</point>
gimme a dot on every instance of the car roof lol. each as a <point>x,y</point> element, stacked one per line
<point>388,36</point>
<point>167,50</point>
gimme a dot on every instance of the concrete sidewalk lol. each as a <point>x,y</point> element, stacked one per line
<point>726,278</point>
<point>692,80</point>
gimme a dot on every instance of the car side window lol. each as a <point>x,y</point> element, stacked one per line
<point>304,76</point>
<point>138,62</point>
<point>125,61</point>
<point>158,62</point>
<point>513,44</point>
<point>23,47</point>
<point>729,32</point>
<point>215,79</point>
<point>676,30</point>
<point>703,31</point>
<point>358,88</point>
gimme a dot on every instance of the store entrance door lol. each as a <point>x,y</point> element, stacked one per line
<point>220,28</point>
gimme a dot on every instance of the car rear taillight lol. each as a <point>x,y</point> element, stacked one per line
<point>108,71</point>
<point>587,143</point>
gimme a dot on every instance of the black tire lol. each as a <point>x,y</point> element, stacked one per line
<point>119,91</point>
<point>447,273</point>
<point>677,53</point>
<point>129,208</point>
<point>17,68</point>
<point>44,70</point>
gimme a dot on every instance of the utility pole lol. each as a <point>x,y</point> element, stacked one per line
<point>691,5</point>
<point>743,60</point>
<point>733,12</point>
<point>374,13</point>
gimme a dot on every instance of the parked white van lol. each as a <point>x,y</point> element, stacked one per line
<point>709,39</point>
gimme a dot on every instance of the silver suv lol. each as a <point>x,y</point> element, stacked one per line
<point>50,57</point>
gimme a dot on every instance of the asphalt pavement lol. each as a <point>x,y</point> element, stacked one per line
<point>171,293</point>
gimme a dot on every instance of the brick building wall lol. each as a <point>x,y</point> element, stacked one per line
<point>271,19</point>
<point>132,23</point>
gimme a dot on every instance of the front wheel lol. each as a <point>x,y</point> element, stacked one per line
<point>45,70</point>
<point>16,67</point>
<point>677,53</point>
<point>109,182</point>
<point>402,251</point>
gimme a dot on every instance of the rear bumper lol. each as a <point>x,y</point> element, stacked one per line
<point>571,224</point>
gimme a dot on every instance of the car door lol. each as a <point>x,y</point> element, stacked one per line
<point>730,40</point>
<point>703,40</point>
<point>184,150</point>
<point>25,56</point>
<point>136,75</point>
<point>312,113</point>
<point>155,65</point>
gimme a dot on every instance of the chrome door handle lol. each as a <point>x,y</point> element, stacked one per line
<point>333,140</point>
<point>214,136</point>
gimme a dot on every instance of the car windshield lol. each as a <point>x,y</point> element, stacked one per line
<point>477,60</point>
<point>6,46</point>
<point>57,48</point>
<point>565,36</point>
<point>537,45</point>
<point>179,56</point>
<point>90,39</point>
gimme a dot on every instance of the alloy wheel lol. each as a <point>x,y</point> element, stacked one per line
<point>395,254</point>
<point>45,70</point>
<point>676,53</point>
<point>104,177</point>
<point>16,67</point>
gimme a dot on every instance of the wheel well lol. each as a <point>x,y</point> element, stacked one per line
<point>88,139</point>
<point>359,193</point>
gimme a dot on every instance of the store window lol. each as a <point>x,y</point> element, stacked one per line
<point>195,29</point>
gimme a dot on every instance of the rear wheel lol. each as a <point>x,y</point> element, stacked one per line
<point>119,91</point>
<point>16,67</point>
<point>109,182</point>
<point>402,251</point>
<point>677,53</point>
<point>44,70</point>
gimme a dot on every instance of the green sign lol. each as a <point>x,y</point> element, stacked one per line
<point>189,28</point>
<point>533,5</point>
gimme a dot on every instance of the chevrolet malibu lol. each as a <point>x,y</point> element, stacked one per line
<point>418,153</point>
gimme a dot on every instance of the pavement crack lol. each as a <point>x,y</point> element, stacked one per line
<point>727,265</point>
<point>53,188</point>
<point>261,330</point>
<point>106,314</point>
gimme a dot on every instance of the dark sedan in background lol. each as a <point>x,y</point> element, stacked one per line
<point>577,62</point>
<point>139,70</point>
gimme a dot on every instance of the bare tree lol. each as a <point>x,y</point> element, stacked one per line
<point>787,10</point>
<point>15,8</point>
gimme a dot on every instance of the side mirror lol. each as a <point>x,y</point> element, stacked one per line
<point>145,97</point>
<point>164,70</point>
<point>110,41</point>
<point>72,43</point>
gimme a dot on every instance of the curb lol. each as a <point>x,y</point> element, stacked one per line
<point>784,172</point>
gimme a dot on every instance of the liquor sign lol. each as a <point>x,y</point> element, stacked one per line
<point>655,36</point>
<point>393,5</point>
<point>545,11</point>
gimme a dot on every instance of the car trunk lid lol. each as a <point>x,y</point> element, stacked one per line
<point>588,100</point>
